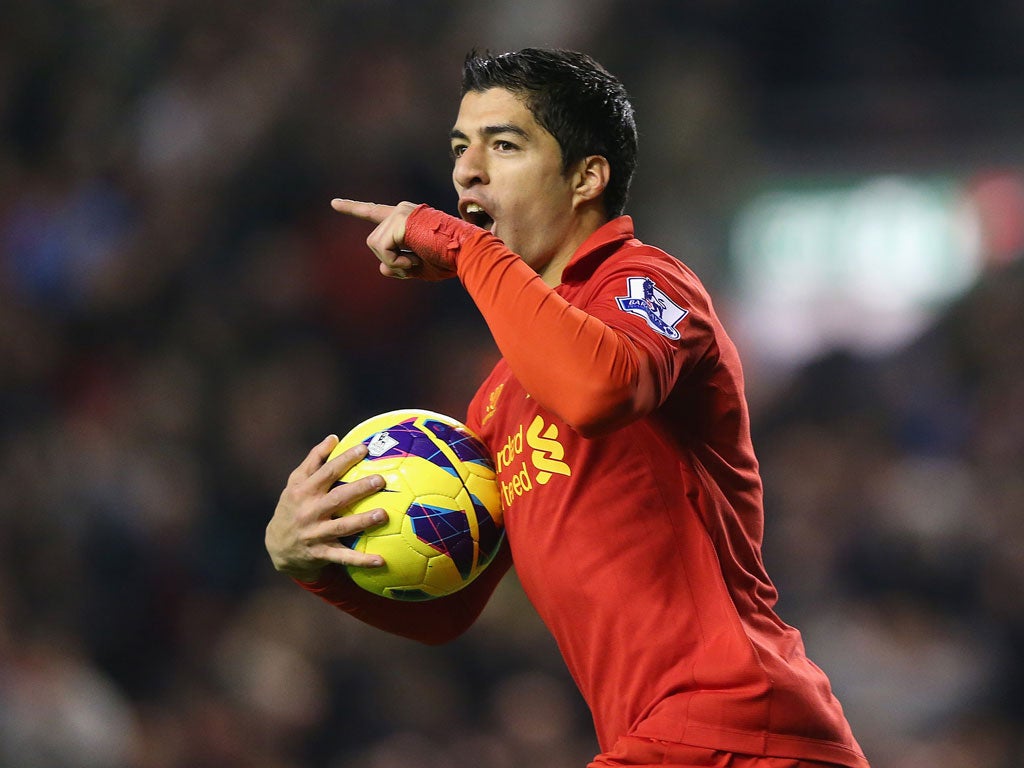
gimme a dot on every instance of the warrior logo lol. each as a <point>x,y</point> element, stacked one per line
<point>492,403</point>
<point>653,305</point>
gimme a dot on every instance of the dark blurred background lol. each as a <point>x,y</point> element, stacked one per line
<point>182,317</point>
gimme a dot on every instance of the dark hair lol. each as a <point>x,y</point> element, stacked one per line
<point>574,99</point>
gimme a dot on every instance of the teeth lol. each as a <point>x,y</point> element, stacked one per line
<point>474,208</point>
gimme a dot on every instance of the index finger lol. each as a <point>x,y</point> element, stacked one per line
<point>332,470</point>
<point>315,459</point>
<point>372,212</point>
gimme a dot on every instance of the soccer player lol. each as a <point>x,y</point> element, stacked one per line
<point>617,416</point>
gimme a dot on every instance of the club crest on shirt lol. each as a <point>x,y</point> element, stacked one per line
<point>653,305</point>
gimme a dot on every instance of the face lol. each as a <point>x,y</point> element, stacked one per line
<point>508,175</point>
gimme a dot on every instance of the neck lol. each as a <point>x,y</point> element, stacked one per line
<point>587,222</point>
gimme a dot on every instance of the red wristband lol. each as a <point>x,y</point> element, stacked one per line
<point>436,237</point>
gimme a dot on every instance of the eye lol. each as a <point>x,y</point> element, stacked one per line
<point>505,146</point>
<point>458,150</point>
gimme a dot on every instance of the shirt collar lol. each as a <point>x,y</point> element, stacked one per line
<point>598,246</point>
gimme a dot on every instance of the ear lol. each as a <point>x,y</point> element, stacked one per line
<point>592,177</point>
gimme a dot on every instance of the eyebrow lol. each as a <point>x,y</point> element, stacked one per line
<point>492,130</point>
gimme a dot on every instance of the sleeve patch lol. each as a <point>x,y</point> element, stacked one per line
<point>653,305</point>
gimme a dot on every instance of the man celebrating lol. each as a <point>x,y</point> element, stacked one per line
<point>635,515</point>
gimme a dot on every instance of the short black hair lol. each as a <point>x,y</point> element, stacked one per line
<point>573,98</point>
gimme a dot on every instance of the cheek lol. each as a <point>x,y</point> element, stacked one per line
<point>529,218</point>
<point>535,230</point>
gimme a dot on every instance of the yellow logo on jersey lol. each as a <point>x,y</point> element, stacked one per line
<point>544,461</point>
<point>492,403</point>
<point>547,451</point>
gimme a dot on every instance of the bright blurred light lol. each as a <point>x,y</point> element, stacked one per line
<point>861,265</point>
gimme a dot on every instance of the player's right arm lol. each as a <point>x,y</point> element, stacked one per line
<point>432,622</point>
<point>302,540</point>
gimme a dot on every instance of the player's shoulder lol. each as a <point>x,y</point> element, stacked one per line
<point>637,259</point>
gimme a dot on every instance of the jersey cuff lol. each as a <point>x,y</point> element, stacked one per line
<point>436,236</point>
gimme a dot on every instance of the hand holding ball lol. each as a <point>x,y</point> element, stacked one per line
<point>441,494</point>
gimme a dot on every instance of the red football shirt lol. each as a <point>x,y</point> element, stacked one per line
<point>633,503</point>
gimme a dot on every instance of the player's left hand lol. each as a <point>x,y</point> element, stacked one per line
<point>387,241</point>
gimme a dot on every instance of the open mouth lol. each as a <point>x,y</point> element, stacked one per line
<point>475,214</point>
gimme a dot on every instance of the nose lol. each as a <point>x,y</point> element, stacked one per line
<point>470,167</point>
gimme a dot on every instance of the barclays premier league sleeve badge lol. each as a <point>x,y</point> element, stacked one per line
<point>653,305</point>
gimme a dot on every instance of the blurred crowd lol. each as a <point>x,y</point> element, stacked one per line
<point>182,318</point>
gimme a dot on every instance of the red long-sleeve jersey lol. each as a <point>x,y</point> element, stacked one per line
<point>633,504</point>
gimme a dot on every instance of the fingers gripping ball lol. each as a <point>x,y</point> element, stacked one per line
<point>443,503</point>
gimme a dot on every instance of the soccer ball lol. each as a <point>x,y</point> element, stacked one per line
<point>443,503</point>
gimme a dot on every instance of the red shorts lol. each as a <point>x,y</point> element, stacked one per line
<point>639,752</point>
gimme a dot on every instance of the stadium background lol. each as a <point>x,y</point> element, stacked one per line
<point>181,317</point>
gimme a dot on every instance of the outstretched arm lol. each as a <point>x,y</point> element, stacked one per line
<point>604,378</point>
